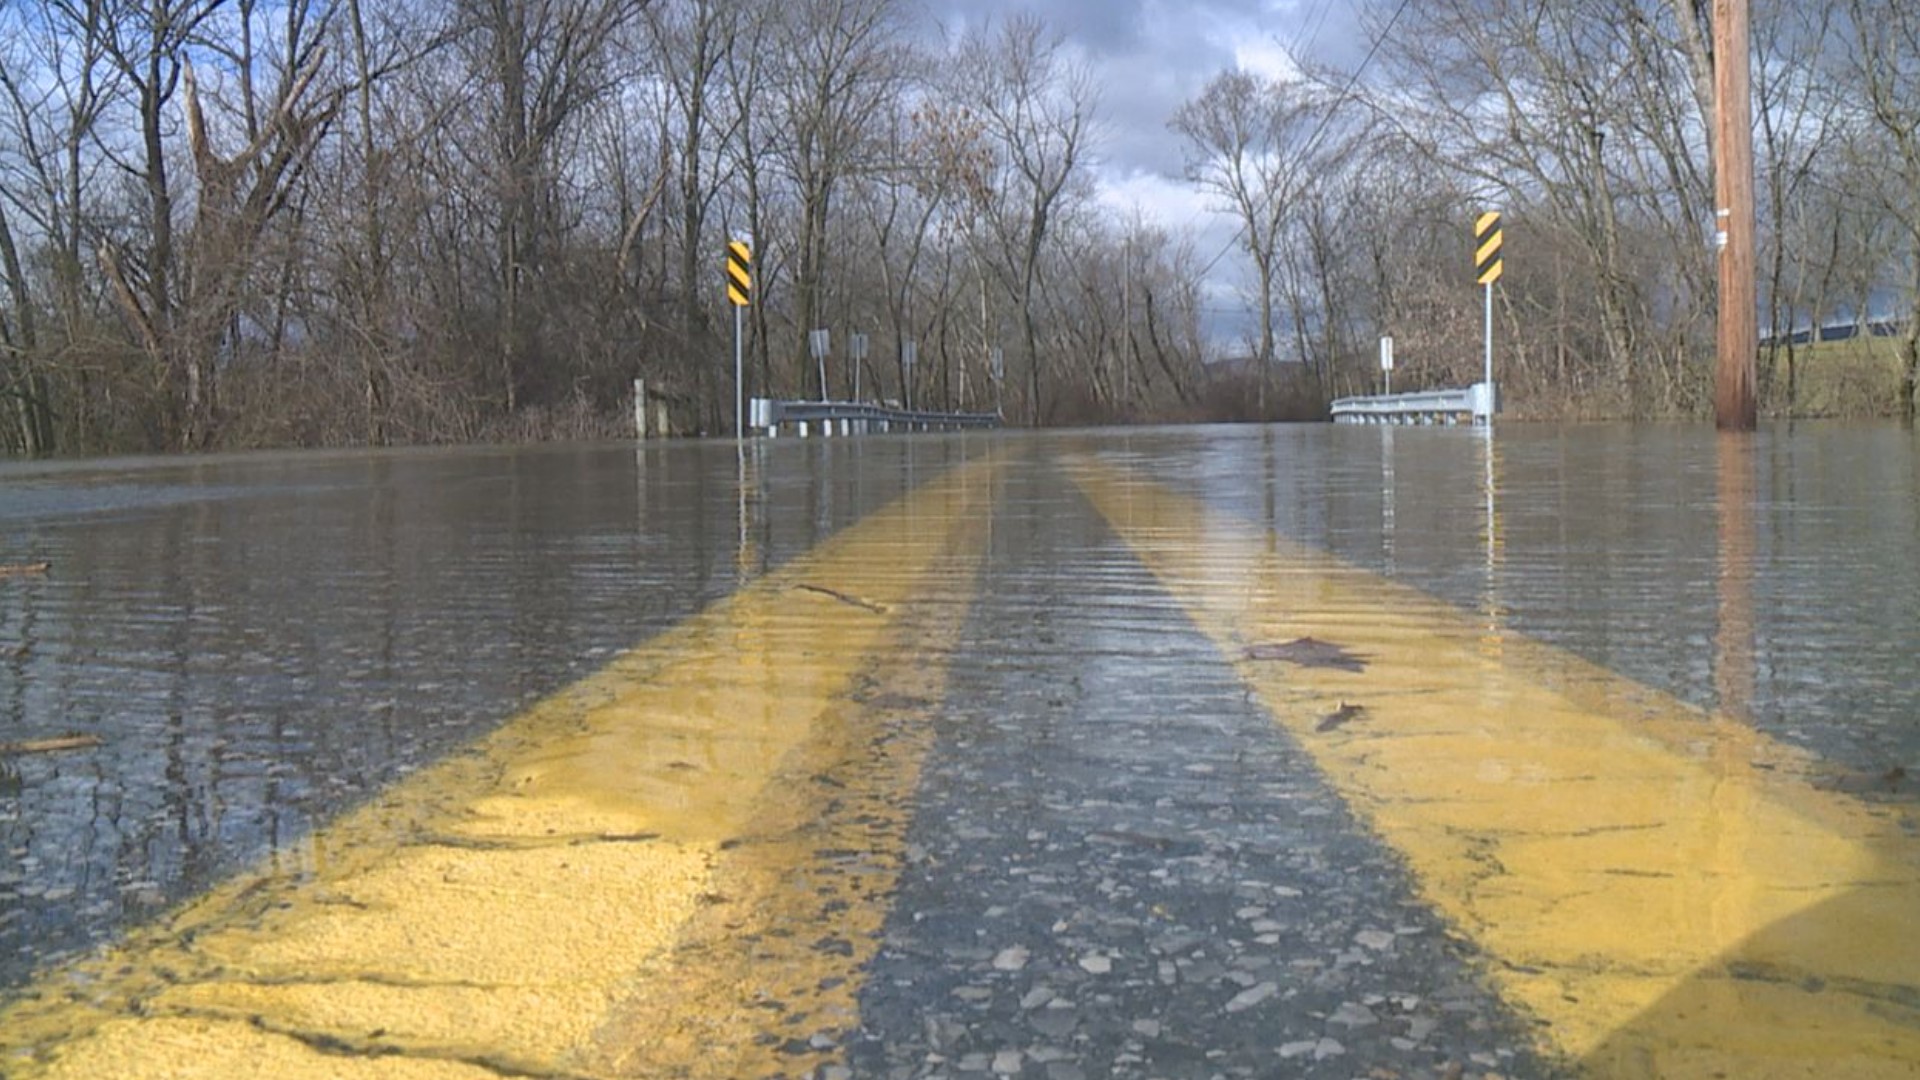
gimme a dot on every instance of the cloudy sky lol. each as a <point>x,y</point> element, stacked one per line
<point>1151,55</point>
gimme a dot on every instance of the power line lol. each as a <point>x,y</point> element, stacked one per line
<point>1313,34</point>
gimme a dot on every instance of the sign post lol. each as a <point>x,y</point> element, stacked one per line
<point>821,342</point>
<point>1488,266</point>
<point>909,353</point>
<point>1386,361</point>
<point>857,351</point>
<point>740,295</point>
<point>998,360</point>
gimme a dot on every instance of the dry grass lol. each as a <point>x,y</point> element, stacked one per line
<point>1856,378</point>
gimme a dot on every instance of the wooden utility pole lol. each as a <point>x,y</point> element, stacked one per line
<point>1734,408</point>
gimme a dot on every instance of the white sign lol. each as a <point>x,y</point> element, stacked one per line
<point>1386,354</point>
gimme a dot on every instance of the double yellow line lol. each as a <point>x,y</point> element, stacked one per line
<point>678,867</point>
<point>668,869</point>
<point>1660,888</point>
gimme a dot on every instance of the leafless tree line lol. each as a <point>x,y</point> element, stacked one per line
<point>1586,123</point>
<point>238,223</point>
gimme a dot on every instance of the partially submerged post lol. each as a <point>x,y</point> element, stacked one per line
<point>1734,407</point>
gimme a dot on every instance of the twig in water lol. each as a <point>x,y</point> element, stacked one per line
<point>48,746</point>
<point>844,598</point>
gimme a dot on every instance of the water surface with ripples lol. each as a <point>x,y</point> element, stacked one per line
<point>261,641</point>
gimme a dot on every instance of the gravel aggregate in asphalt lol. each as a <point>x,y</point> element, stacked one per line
<point>1120,867</point>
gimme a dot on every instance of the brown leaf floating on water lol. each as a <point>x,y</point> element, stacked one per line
<point>1309,652</point>
<point>1344,714</point>
<point>1866,781</point>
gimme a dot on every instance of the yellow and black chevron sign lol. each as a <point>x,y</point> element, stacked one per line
<point>739,273</point>
<point>1487,237</point>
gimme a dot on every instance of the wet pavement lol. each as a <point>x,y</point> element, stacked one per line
<point>1120,867</point>
<point>1211,752</point>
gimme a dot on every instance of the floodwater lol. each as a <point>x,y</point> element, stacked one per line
<point>1776,578</point>
<point>263,642</point>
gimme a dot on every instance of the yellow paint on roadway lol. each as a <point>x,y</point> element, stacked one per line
<point>1662,889</point>
<point>602,886</point>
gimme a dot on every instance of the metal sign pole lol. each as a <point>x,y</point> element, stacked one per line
<point>1489,265</point>
<point>1487,377</point>
<point>739,294</point>
<point>857,352</point>
<point>821,342</point>
<point>999,357</point>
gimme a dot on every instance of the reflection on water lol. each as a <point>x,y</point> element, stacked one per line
<point>262,641</point>
<point>1608,540</point>
<point>1733,667</point>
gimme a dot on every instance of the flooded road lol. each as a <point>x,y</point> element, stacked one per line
<point>264,641</point>
<point>1298,750</point>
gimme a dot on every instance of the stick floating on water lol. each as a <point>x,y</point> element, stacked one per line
<point>50,746</point>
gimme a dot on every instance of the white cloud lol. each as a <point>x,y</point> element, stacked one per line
<point>1265,57</point>
<point>1150,56</point>
<point>1162,198</point>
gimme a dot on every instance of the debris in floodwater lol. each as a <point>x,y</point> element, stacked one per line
<point>843,598</point>
<point>1309,653</point>
<point>23,569</point>
<point>1868,782</point>
<point>49,746</point>
<point>1344,714</point>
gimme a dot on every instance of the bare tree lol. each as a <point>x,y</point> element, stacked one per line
<point>146,44</point>
<point>691,41</point>
<point>1797,128</point>
<point>547,62</point>
<point>1582,119</point>
<point>1886,64</point>
<point>839,67</point>
<point>1035,103</point>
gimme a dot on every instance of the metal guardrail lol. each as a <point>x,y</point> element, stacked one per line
<point>768,416</point>
<point>1472,405</point>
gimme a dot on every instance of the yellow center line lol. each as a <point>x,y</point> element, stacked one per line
<point>1660,888</point>
<point>519,906</point>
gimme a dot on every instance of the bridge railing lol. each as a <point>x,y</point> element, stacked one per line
<point>768,416</point>
<point>1472,405</point>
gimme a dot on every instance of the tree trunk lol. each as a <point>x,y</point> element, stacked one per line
<point>30,405</point>
<point>1910,346</point>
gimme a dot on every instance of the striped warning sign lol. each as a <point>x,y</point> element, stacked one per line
<point>739,273</point>
<point>1487,237</point>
